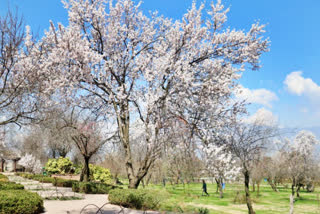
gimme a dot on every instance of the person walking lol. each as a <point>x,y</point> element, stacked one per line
<point>204,188</point>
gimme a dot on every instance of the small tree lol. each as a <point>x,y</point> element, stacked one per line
<point>246,141</point>
<point>220,163</point>
<point>30,163</point>
<point>87,136</point>
<point>300,159</point>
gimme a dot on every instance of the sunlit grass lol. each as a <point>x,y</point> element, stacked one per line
<point>187,199</point>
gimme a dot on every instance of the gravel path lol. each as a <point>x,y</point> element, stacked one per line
<point>94,202</point>
<point>89,204</point>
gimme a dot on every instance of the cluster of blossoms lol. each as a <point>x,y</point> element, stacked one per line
<point>30,163</point>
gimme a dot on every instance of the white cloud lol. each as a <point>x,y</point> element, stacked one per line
<point>263,117</point>
<point>258,96</point>
<point>298,85</point>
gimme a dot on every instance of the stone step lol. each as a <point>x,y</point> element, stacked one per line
<point>28,182</point>
<point>51,194</point>
<point>45,190</point>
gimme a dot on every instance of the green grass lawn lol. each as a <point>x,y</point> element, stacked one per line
<point>188,199</point>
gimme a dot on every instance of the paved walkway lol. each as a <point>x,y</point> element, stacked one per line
<point>88,204</point>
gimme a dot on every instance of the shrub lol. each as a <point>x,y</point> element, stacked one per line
<point>203,211</point>
<point>92,188</point>
<point>239,198</point>
<point>77,168</point>
<point>59,182</point>
<point>3,178</point>
<point>99,173</point>
<point>43,179</point>
<point>59,166</point>
<point>137,198</point>
<point>40,178</point>
<point>10,185</point>
<point>20,201</point>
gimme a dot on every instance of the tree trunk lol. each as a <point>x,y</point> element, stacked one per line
<point>258,189</point>
<point>218,184</point>
<point>291,204</point>
<point>123,119</point>
<point>253,186</point>
<point>148,179</point>
<point>273,186</point>
<point>63,153</point>
<point>136,181</point>
<point>310,187</point>
<point>221,191</point>
<point>53,153</point>
<point>2,165</point>
<point>298,190</point>
<point>85,173</point>
<point>220,188</point>
<point>15,165</point>
<point>248,199</point>
<point>177,180</point>
<point>293,186</point>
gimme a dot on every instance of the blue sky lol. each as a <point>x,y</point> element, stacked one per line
<point>293,28</point>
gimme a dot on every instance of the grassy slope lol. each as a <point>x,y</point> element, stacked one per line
<point>188,199</point>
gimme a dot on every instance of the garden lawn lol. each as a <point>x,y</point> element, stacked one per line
<point>188,198</point>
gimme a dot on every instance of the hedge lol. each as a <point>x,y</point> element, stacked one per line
<point>92,188</point>
<point>20,201</point>
<point>3,178</point>
<point>82,187</point>
<point>137,198</point>
<point>40,178</point>
<point>10,185</point>
<point>5,184</point>
<point>59,182</point>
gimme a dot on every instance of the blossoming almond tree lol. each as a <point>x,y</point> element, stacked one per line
<point>220,163</point>
<point>115,59</point>
<point>30,163</point>
<point>246,142</point>
<point>299,159</point>
<point>18,91</point>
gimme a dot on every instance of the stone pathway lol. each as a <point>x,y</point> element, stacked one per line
<point>88,204</point>
<point>45,190</point>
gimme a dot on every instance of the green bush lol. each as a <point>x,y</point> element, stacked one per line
<point>137,198</point>
<point>20,201</point>
<point>10,185</point>
<point>59,166</point>
<point>92,188</point>
<point>40,178</point>
<point>203,211</point>
<point>3,178</point>
<point>99,173</point>
<point>59,182</point>
<point>77,168</point>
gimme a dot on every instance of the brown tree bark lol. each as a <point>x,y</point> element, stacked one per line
<point>85,173</point>
<point>124,123</point>
<point>246,184</point>
<point>298,190</point>
<point>273,186</point>
<point>217,182</point>
<point>293,186</point>
<point>2,165</point>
